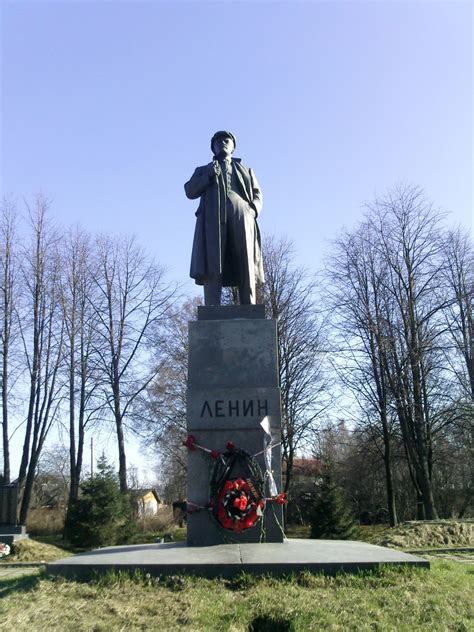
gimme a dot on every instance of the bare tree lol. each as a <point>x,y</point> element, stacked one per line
<point>400,322</point>
<point>288,294</point>
<point>357,296</point>
<point>41,329</point>
<point>53,478</point>
<point>8,280</point>
<point>459,313</point>
<point>459,357</point>
<point>131,297</point>
<point>411,241</point>
<point>80,352</point>
<point>163,409</point>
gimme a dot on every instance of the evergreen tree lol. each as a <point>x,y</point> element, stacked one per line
<point>331,517</point>
<point>102,514</point>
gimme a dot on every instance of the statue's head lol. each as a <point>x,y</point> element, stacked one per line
<point>223,143</point>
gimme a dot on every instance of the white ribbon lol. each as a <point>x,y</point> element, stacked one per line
<point>267,455</point>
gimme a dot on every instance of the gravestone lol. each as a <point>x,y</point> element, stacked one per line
<point>233,395</point>
<point>10,530</point>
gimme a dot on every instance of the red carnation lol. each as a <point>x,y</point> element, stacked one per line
<point>230,445</point>
<point>240,503</point>
<point>249,521</point>
<point>228,485</point>
<point>281,498</point>
<point>190,441</point>
<point>214,454</point>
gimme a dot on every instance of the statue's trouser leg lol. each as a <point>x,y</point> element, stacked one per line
<point>212,292</point>
<point>241,235</point>
<point>213,285</point>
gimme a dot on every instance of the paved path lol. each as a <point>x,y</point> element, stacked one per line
<point>463,558</point>
<point>462,554</point>
<point>8,572</point>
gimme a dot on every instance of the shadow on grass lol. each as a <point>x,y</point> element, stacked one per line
<point>25,583</point>
<point>270,623</point>
<point>390,574</point>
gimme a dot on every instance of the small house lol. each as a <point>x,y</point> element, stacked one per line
<point>147,502</point>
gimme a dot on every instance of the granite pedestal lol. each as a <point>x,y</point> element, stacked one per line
<point>232,390</point>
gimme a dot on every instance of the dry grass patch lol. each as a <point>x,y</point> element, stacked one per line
<point>430,534</point>
<point>162,521</point>
<point>31,551</point>
<point>44,521</point>
<point>411,534</point>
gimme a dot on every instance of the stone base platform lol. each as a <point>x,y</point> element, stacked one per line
<point>227,560</point>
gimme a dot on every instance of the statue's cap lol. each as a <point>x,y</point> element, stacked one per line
<point>219,135</point>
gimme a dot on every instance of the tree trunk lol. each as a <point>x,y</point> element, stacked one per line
<point>122,458</point>
<point>420,507</point>
<point>6,447</point>
<point>28,489</point>
<point>427,494</point>
<point>387,458</point>
<point>120,440</point>
<point>29,426</point>
<point>378,360</point>
<point>74,493</point>
<point>74,483</point>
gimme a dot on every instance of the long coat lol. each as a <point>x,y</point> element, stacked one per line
<point>206,260</point>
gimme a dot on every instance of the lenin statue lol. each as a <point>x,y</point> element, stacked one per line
<point>226,248</point>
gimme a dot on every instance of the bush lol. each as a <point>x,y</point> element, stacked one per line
<point>331,518</point>
<point>102,514</point>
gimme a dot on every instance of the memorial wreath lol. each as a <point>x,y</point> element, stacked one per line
<point>236,502</point>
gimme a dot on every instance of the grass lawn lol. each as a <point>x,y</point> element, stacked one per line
<point>390,599</point>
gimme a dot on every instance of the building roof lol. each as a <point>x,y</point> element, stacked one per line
<point>140,493</point>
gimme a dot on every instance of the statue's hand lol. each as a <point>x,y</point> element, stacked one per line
<point>213,170</point>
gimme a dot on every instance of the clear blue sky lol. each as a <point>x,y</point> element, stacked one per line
<point>107,107</point>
